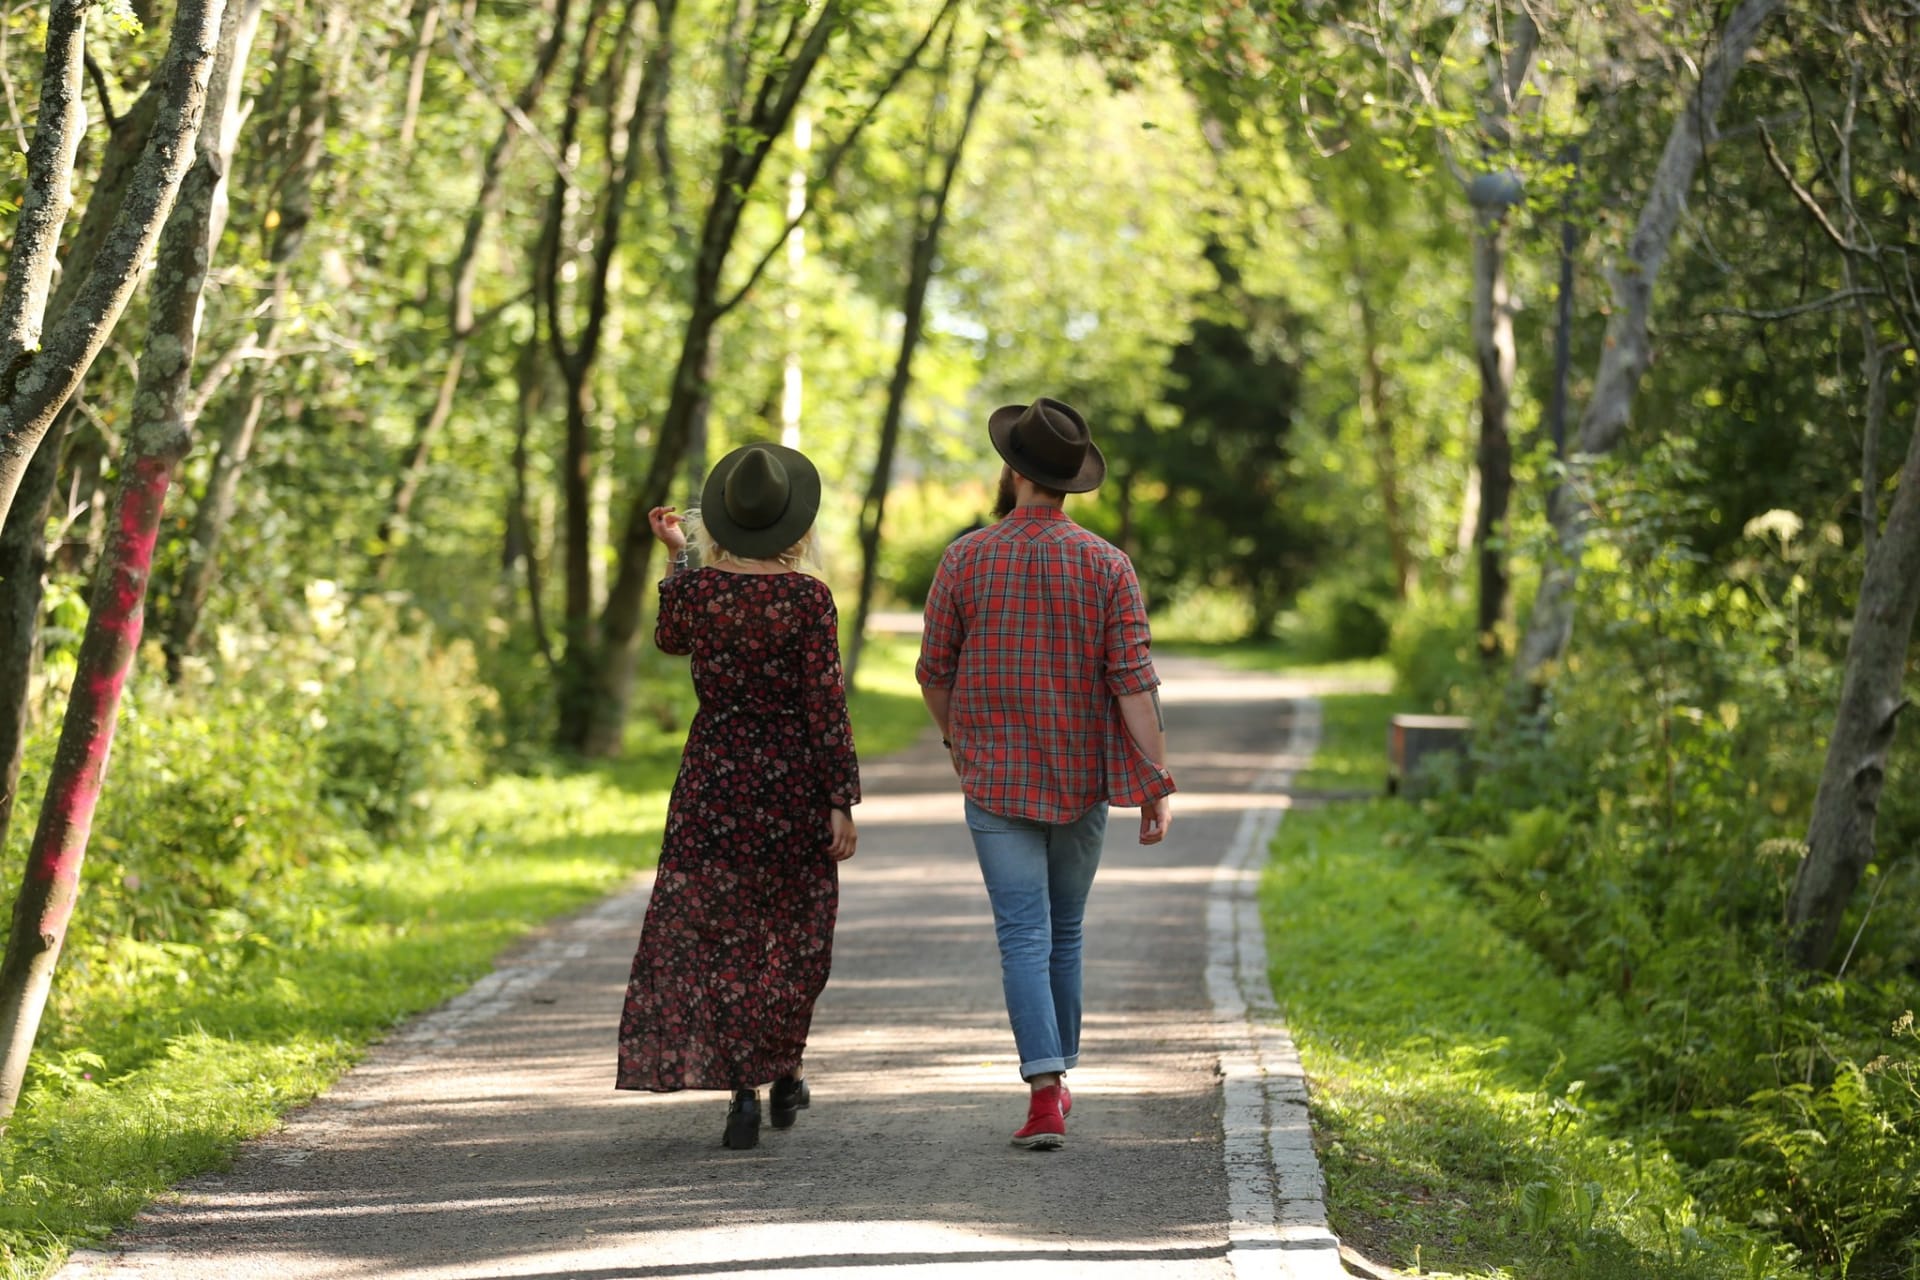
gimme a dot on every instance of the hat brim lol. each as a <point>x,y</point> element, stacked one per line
<point>1093,468</point>
<point>803,504</point>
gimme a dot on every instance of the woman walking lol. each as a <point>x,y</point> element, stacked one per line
<point>738,937</point>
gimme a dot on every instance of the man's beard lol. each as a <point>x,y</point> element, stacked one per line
<point>1007,499</point>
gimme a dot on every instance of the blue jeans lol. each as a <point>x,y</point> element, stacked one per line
<point>1038,876</point>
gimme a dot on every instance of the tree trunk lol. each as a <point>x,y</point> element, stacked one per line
<point>578,626</point>
<point>413,464</point>
<point>596,688</point>
<point>425,21</point>
<point>35,384</point>
<point>1840,840</point>
<point>930,221</point>
<point>531,391</point>
<point>577,358</point>
<point>1626,349</point>
<point>597,721</point>
<point>210,521</point>
<point>597,682</point>
<point>1378,413</point>
<point>157,438</point>
<point>23,571</point>
<point>1493,347</point>
<point>49,190</point>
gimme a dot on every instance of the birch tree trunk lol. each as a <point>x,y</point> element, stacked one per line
<point>1626,349</point>
<point>1840,841</point>
<point>157,437</point>
<point>23,538</point>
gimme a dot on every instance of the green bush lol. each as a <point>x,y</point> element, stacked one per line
<point>209,797</point>
<point>1342,616</point>
<point>400,718</point>
<point>1433,652</point>
<point>1834,1166</point>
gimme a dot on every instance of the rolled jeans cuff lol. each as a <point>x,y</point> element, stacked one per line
<point>1048,1066</point>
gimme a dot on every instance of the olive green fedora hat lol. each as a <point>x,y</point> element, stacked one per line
<point>760,499</point>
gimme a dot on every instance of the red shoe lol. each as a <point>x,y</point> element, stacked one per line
<point>1066,1100</point>
<point>1046,1127</point>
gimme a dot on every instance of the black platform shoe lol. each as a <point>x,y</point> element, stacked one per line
<point>786,1100</point>
<point>743,1121</point>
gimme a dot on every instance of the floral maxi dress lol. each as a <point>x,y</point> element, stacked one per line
<point>738,936</point>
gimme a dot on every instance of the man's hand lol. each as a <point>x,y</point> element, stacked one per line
<point>1155,817</point>
<point>845,835</point>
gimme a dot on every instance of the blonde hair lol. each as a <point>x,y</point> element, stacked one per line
<point>798,558</point>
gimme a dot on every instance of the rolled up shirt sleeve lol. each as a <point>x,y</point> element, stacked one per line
<point>1129,643</point>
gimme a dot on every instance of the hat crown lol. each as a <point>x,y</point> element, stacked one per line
<point>1049,443</point>
<point>1052,435</point>
<point>757,491</point>
<point>760,500</point>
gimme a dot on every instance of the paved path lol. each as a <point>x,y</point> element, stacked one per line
<point>485,1141</point>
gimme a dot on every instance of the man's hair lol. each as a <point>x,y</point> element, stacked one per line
<point>798,557</point>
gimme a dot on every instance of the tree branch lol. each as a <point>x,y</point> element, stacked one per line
<point>1827,303</point>
<point>77,335</point>
<point>831,163</point>
<point>515,109</point>
<point>49,193</point>
<point>1804,196</point>
<point>101,87</point>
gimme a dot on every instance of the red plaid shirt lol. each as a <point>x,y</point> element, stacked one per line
<point>1038,626</point>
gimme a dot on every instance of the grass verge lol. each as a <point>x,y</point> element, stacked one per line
<point>163,1061</point>
<point>1450,1120</point>
<point>1353,744</point>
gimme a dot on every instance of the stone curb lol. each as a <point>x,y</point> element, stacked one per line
<point>1276,1196</point>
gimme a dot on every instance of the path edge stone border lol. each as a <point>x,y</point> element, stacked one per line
<point>1276,1194</point>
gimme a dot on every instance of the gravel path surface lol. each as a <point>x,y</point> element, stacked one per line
<point>485,1140</point>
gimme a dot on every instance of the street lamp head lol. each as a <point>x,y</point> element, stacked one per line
<point>1496,192</point>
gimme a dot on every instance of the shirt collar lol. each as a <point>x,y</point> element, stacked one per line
<point>1035,511</point>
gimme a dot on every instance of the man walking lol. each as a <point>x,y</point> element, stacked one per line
<point>1035,663</point>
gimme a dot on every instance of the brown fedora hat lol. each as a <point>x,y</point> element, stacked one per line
<point>1048,443</point>
<point>760,499</point>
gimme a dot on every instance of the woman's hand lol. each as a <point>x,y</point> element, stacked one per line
<point>666,527</point>
<point>845,836</point>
